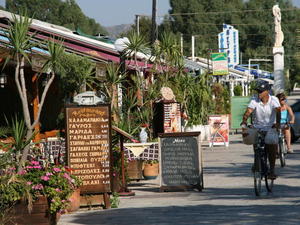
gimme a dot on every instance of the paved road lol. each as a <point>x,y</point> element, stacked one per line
<point>228,197</point>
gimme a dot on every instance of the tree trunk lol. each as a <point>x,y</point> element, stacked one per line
<point>25,150</point>
<point>114,102</point>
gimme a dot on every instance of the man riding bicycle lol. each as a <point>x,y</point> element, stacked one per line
<point>266,109</point>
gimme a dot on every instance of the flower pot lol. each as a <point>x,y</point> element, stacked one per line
<point>150,171</point>
<point>38,216</point>
<point>74,201</point>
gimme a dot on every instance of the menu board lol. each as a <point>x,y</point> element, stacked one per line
<point>172,119</point>
<point>180,161</point>
<point>219,130</point>
<point>88,146</point>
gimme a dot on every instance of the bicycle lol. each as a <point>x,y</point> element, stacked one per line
<point>261,164</point>
<point>282,145</point>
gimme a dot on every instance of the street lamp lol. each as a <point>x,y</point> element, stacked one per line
<point>121,43</point>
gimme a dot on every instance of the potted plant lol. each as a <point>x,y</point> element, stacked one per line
<point>151,169</point>
<point>49,186</point>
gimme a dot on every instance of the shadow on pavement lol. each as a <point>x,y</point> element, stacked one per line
<point>190,215</point>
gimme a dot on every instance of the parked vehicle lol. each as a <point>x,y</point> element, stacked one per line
<point>295,128</point>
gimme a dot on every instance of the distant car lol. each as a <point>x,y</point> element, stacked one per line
<point>295,128</point>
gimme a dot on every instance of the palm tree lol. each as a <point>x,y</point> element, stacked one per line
<point>114,77</point>
<point>135,44</point>
<point>21,44</point>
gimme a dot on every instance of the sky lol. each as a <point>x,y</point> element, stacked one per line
<point>117,12</point>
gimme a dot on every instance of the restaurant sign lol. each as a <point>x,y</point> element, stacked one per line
<point>219,63</point>
<point>88,146</point>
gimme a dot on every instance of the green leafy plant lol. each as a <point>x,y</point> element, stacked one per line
<point>151,161</point>
<point>55,182</point>
<point>238,90</point>
<point>114,200</point>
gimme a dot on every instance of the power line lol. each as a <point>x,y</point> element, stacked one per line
<point>225,12</point>
<point>246,24</point>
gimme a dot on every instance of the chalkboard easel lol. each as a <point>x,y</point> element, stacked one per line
<point>180,159</point>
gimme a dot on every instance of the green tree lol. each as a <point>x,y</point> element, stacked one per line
<point>20,44</point>
<point>193,17</point>
<point>253,19</point>
<point>238,90</point>
<point>77,74</point>
<point>65,13</point>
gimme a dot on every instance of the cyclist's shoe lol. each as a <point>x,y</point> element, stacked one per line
<point>289,151</point>
<point>272,176</point>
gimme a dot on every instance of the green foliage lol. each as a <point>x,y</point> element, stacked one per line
<point>53,181</point>
<point>136,44</point>
<point>19,39</point>
<point>12,189</point>
<point>222,99</point>
<point>65,13</point>
<point>238,90</point>
<point>114,200</point>
<point>114,77</point>
<point>253,19</point>
<point>151,161</point>
<point>19,131</point>
<point>77,71</point>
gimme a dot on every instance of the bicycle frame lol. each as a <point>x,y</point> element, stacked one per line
<point>261,164</point>
<point>282,145</point>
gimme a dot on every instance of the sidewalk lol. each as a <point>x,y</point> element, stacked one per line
<point>228,196</point>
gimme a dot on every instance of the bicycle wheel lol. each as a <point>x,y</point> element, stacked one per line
<point>257,174</point>
<point>282,150</point>
<point>269,182</point>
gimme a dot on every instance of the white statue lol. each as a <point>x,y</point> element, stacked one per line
<point>278,32</point>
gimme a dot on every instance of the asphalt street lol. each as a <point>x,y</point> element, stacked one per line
<point>227,198</point>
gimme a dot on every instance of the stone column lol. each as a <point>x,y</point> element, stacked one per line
<point>278,53</point>
<point>231,83</point>
<point>243,86</point>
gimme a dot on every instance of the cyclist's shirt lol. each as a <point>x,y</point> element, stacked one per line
<point>264,114</point>
<point>284,117</point>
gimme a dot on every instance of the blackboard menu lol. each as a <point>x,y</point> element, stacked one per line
<point>88,146</point>
<point>180,161</point>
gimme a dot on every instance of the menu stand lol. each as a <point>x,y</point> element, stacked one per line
<point>124,191</point>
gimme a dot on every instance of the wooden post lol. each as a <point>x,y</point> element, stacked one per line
<point>106,201</point>
<point>123,189</point>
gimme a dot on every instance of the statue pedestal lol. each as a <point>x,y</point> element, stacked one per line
<point>279,81</point>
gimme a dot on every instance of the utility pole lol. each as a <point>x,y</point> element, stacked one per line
<point>193,48</point>
<point>153,28</point>
<point>137,24</point>
<point>181,43</point>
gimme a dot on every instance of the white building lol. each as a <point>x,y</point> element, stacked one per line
<point>229,42</point>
